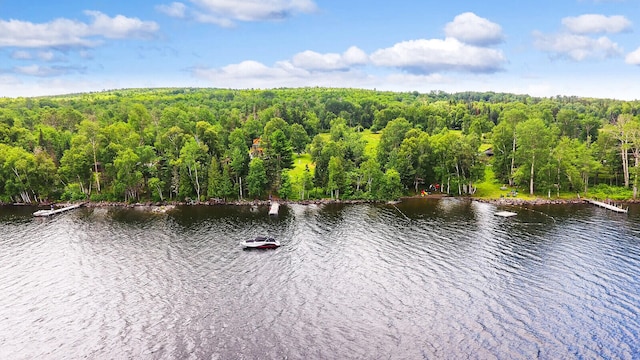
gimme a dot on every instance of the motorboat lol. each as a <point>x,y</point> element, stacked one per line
<point>260,242</point>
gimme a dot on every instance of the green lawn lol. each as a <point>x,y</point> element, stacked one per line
<point>299,164</point>
<point>372,142</point>
<point>490,188</point>
<point>303,160</point>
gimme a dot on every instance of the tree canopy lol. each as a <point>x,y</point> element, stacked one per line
<point>196,144</point>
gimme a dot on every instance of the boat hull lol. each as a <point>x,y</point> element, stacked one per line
<point>270,246</point>
<point>260,243</point>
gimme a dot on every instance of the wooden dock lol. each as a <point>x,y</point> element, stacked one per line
<point>607,206</point>
<point>56,211</point>
<point>275,208</point>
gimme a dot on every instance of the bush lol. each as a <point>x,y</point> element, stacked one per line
<point>98,197</point>
<point>604,191</point>
<point>72,192</point>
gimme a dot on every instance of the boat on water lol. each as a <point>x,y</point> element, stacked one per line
<point>260,242</point>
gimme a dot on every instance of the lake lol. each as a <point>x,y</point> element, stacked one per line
<point>425,278</point>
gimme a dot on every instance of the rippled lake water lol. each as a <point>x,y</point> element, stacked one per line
<point>420,279</point>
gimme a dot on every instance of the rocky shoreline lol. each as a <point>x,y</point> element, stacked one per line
<point>518,202</point>
<point>216,202</point>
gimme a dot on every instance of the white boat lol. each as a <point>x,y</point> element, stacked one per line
<point>260,242</point>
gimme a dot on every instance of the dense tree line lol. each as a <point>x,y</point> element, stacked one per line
<point>199,144</point>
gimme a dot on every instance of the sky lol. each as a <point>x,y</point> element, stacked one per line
<point>588,48</point>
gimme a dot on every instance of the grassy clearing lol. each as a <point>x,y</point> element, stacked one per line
<point>491,188</point>
<point>300,162</point>
<point>372,142</point>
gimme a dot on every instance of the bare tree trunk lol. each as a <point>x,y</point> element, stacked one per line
<point>513,158</point>
<point>635,176</point>
<point>533,161</point>
<point>95,165</point>
<point>625,164</point>
<point>458,176</point>
<point>197,183</point>
<point>159,192</point>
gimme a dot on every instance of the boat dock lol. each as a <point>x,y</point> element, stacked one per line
<point>505,214</point>
<point>56,211</point>
<point>607,206</point>
<point>275,207</point>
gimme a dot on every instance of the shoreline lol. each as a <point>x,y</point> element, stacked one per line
<point>173,204</point>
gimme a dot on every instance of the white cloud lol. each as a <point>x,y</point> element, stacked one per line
<point>60,32</point>
<point>253,74</point>
<point>633,58</point>
<point>313,61</point>
<point>422,60</point>
<point>226,12</point>
<point>175,9</point>
<point>431,56</point>
<point>46,86</point>
<point>213,19</point>
<point>596,24</point>
<point>120,27</point>
<point>304,69</point>
<point>21,55</point>
<point>33,70</point>
<point>46,55</point>
<point>8,81</point>
<point>72,33</point>
<point>577,47</point>
<point>472,29</point>
<point>46,71</point>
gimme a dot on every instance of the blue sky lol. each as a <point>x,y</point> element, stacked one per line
<point>543,48</point>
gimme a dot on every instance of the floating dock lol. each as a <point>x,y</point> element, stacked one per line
<point>505,213</point>
<point>275,207</point>
<point>56,211</point>
<point>608,206</point>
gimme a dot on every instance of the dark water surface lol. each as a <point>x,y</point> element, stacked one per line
<point>422,279</point>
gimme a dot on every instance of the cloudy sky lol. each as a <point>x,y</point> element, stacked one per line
<point>542,48</point>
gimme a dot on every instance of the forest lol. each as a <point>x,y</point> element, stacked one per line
<point>193,145</point>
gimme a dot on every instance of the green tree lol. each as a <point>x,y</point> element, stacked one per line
<point>535,141</point>
<point>505,142</point>
<point>306,182</point>
<point>45,178</point>
<point>257,178</point>
<point>156,185</point>
<point>214,188</point>
<point>285,189</point>
<point>391,186</point>
<point>91,141</point>
<point>140,119</point>
<point>278,155</point>
<point>238,155</point>
<point>337,177</point>
<point>191,160</point>
<point>299,138</point>
<point>391,138</point>
<point>226,186</point>
<point>77,163</point>
<point>129,178</point>
<point>372,177</point>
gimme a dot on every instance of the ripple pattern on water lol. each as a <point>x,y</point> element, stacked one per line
<point>420,279</point>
